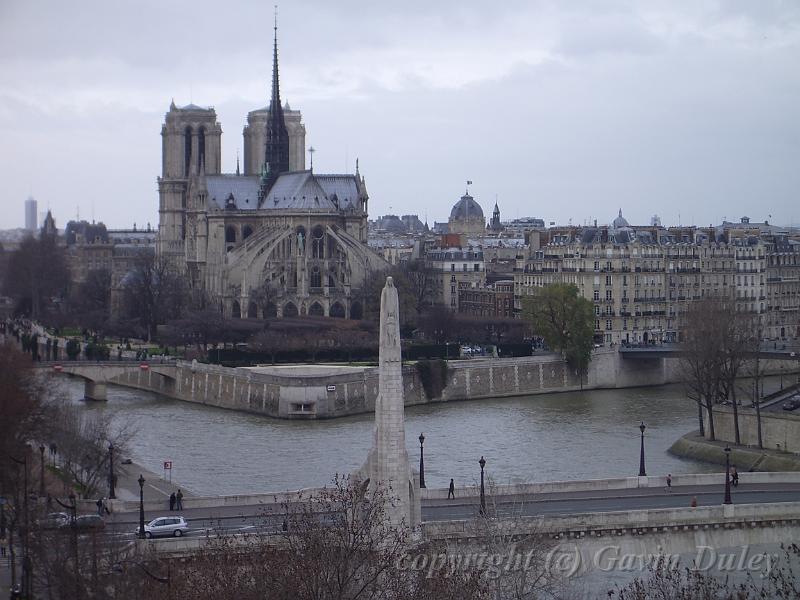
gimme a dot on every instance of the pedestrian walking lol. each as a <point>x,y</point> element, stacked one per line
<point>734,476</point>
<point>99,505</point>
<point>172,501</point>
<point>669,482</point>
<point>451,492</point>
<point>694,502</point>
<point>179,500</point>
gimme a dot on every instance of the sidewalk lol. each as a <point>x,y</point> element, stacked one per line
<point>155,487</point>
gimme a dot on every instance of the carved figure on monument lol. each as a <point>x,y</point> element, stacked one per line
<point>300,244</point>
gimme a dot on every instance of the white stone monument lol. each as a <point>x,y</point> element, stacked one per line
<point>387,463</point>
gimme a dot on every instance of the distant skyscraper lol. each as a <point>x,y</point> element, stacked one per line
<point>31,218</point>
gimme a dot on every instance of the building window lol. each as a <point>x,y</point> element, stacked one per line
<point>477,267</point>
<point>597,294</point>
<point>608,294</point>
<point>608,279</point>
<point>452,267</point>
<point>608,324</point>
<point>597,310</point>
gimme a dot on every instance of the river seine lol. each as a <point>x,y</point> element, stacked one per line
<point>549,437</point>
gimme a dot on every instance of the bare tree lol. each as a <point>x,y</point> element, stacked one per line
<point>83,439</point>
<point>154,292</point>
<point>334,544</point>
<point>36,272</point>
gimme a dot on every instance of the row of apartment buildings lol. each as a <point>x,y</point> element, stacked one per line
<point>642,280</point>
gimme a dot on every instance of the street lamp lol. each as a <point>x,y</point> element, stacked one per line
<point>141,506</point>
<point>642,472</point>
<point>482,463</point>
<point>41,478</point>
<point>421,461</point>
<point>111,494</point>
<point>727,476</point>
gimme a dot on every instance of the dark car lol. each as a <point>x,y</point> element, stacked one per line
<point>88,522</point>
<point>791,404</point>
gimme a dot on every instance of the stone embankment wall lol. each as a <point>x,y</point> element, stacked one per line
<point>310,393</point>
<point>780,430</point>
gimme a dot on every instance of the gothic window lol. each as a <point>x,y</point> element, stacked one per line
<point>316,279</point>
<point>187,150</point>
<point>318,242</point>
<point>316,310</point>
<point>247,232</point>
<point>337,310</point>
<point>290,310</point>
<point>230,234</point>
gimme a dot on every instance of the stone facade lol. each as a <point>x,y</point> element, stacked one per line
<point>455,268</point>
<point>642,280</point>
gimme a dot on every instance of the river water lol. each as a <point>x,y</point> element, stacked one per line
<point>548,437</point>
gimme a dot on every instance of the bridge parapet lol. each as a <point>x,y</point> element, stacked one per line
<point>631,522</point>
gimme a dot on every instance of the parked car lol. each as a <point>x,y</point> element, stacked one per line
<point>90,522</point>
<point>55,520</point>
<point>165,526</point>
<point>791,404</point>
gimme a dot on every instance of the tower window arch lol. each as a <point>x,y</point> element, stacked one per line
<point>201,149</point>
<point>187,149</point>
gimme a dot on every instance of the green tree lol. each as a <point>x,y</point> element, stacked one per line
<point>565,320</point>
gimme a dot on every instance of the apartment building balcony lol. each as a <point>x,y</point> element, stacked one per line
<point>625,300</point>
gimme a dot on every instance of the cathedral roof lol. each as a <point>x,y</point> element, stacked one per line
<point>244,189</point>
<point>194,107</point>
<point>295,190</point>
<point>298,189</point>
<point>466,208</point>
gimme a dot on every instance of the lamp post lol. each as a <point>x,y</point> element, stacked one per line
<point>421,461</point>
<point>642,472</point>
<point>41,478</point>
<point>482,463</point>
<point>141,506</point>
<point>727,476</point>
<point>111,494</point>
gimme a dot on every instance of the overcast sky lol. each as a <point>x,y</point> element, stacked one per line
<point>560,110</point>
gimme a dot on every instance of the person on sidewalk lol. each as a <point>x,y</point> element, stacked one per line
<point>734,476</point>
<point>451,492</point>
<point>179,500</point>
<point>694,502</point>
<point>669,482</point>
<point>172,501</point>
<point>99,505</point>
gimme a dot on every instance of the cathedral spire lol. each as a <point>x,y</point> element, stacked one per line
<point>276,155</point>
<point>275,100</point>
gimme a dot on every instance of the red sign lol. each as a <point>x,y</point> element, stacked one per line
<point>144,366</point>
<point>167,465</point>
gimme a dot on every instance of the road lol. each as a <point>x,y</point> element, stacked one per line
<point>270,517</point>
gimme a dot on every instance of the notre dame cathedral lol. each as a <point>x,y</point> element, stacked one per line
<point>274,240</point>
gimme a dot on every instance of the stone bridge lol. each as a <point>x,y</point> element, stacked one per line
<point>675,351</point>
<point>97,375</point>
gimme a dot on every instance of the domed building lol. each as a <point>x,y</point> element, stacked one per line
<point>467,217</point>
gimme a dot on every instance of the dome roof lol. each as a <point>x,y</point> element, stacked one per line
<point>620,221</point>
<point>466,208</point>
